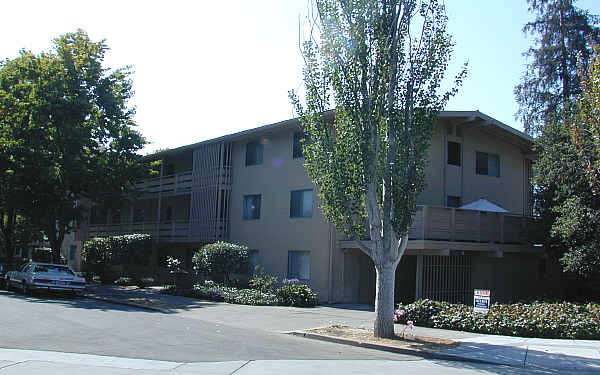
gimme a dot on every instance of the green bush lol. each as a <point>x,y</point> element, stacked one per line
<point>295,294</point>
<point>252,297</point>
<point>263,281</point>
<point>124,281</point>
<point>98,253</point>
<point>537,319</point>
<point>220,260</point>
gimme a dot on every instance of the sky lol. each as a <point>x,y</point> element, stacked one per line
<point>209,68</point>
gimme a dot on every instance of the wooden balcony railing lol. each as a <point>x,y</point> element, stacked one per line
<point>179,183</point>
<point>453,224</point>
<point>171,231</point>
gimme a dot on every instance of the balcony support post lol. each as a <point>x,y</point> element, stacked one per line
<point>501,228</point>
<point>419,278</point>
<point>453,225</point>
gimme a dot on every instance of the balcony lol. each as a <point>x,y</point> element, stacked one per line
<point>173,231</point>
<point>180,183</point>
<point>444,228</point>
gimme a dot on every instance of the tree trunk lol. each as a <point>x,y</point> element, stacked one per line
<point>384,300</point>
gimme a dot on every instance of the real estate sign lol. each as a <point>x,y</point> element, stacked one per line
<point>481,300</point>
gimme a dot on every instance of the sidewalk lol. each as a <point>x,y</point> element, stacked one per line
<point>26,362</point>
<point>539,354</point>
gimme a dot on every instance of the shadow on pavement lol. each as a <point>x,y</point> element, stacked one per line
<point>542,359</point>
<point>79,302</point>
<point>350,306</point>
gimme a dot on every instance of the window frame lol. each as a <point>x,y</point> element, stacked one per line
<point>458,204</point>
<point>292,216</point>
<point>298,151</point>
<point>289,265</point>
<point>258,147</point>
<point>459,153</point>
<point>487,166</point>
<point>244,206</point>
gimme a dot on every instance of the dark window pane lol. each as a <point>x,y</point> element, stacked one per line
<point>299,139</point>
<point>254,153</point>
<point>454,153</point>
<point>251,207</point>
<point>301,203</point>
<point>298,265</point>
<point>481,163</point>
<point>453,201</point>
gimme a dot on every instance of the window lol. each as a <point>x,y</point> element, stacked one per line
<point>452,201</point>
<point>254,153</point>
<point>299,139</point>
<point>253,261</point>
<point>454,151</point>
<point>487,164</point>
<point>301,203</point>
<point>251,207</point>
<point>72,252</point>
<point>298,265</point>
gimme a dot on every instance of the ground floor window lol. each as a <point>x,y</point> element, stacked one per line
<point>298,265</point>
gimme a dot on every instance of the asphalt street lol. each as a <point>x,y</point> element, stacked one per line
<point>80,325</point>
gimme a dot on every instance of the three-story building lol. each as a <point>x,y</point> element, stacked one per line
<point>470,229</point>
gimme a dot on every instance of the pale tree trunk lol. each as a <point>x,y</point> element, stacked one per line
<point>384,300</point>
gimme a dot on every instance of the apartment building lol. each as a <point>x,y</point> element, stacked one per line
<point>470,229</point>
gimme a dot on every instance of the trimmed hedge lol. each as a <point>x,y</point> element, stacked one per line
<point>537,319</point>
<point>295,294</point>
<point>220,260</point>
<point>298,295</point>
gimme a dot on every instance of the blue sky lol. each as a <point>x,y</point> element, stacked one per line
<point>208,68</point>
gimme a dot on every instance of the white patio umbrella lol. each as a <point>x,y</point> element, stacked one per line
<point>483,205</point>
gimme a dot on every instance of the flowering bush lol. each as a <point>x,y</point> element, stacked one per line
<point>537,319</point>
<point>294,294</point>
<point>299,295</point>
<point>263,281</point>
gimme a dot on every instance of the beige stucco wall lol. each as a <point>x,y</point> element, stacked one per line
<point>506,190</point>
<point>275,233</point>
<point>443,179</point>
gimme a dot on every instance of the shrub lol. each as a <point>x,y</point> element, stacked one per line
<point>98,253</point>
<point>220,260</point>
<point>263,281</point>
<point>124,281</point>
<point>537,319</point>
<point>295,294</point>
<point>252,297</point>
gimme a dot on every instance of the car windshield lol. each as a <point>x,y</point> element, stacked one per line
<point>59,270</point>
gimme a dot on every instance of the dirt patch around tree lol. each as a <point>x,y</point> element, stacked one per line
<point>405,341</point>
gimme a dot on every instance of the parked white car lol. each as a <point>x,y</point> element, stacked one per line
<point>44,276</point>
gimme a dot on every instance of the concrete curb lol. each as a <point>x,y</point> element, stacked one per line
<point>117,301</point>
<point>369,345</point>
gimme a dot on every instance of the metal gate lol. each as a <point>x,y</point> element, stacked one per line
<point>447,278</point>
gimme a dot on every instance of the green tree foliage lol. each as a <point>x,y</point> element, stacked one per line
<point>66,131</point>
<point>220,260</point>
<point>550,80</point>
<point>368,158</point>
<point>577,223</point>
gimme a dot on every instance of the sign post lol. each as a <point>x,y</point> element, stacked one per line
<point>481,301</point>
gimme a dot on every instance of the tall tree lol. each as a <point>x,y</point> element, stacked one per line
<point>550,80</point>
<point>368,162</point>
<point>67,129</point>
<point>578,217</point>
